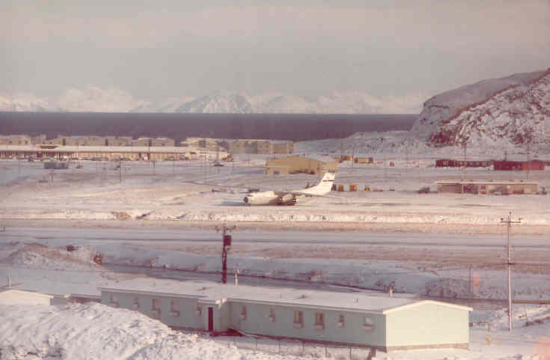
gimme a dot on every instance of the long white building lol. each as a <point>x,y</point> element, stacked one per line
<point>341,318</point>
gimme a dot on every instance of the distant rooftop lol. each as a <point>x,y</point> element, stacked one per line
<point>484,182</point>
<point>322,158</point>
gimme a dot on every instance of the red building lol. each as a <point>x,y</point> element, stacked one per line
<point>506,165</point>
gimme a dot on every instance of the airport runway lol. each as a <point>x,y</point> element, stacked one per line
<point>89,236</point>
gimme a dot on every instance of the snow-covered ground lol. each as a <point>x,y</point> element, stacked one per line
<point>187,192</point>
<point>94,331</point>
<point>152,203</point>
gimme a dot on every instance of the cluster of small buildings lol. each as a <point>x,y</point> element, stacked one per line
<point>91,140</point>
<point>487,187</point>
<point>503,165</point>
<point>127,148</point>
<point>242,146</point>
<point>116,153</point>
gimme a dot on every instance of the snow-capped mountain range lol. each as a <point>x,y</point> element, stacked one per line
<point>510,111</point>
<point>96,99</point>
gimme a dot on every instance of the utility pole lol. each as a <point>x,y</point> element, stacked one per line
<point>384,154</point>
<point>528,159</point>
<point>225,247</point>
<point>509,223</point>
<point>218,155</point>
<point>465,147</point>
<point>352,156</point>
<point>406,158</point>
<point>205,171</point>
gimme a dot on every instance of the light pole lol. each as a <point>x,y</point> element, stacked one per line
<point>509,223</point>
<point>225,247</point>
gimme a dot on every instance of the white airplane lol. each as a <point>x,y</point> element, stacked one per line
<point>288,197</point>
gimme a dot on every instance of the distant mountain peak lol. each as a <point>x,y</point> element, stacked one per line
<point>93,98</point>
<point>218,102</point>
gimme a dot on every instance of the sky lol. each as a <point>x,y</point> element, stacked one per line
<point>171,48</point>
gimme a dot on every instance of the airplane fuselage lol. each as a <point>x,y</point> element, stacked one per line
<point>269,198</point>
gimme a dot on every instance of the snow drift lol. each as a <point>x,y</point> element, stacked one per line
<point>94,331</point>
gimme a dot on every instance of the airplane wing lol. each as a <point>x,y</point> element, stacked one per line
<point>295,193</point>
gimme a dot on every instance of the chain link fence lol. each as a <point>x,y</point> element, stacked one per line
<point>295,347</point>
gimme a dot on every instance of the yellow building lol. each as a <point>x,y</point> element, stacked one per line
<point>299,164</point>
<point>363,160</point>
<point>15,140</point>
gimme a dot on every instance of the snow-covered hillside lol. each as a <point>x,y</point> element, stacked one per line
<point>400,144</point>
<point>88,99</point>
<point>498,112</point>
<point>96,99</point>
<point>24,102</point>
<point>218,102</point>
<point>164,106</point>
<point>338,103</point>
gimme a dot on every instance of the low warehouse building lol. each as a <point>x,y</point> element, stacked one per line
<point>363,160</point>
<point>316,316</point>
<point>300,164</point>
<point>460,163</point>
<point>21,297</point>
<point>156,153</point>
<point>487,187</point>
<point>506,165</point>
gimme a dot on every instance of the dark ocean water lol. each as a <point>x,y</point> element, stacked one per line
<point>296,127</point>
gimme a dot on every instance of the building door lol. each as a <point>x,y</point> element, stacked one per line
<point>210,319</point>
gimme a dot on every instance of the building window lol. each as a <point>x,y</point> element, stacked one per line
<point>368,324</point>
<point>319,321</point>
<point>243,312</point>
<point>136,302</point>
<point>341,321</point>
<point>271,315</point>
<point>156,307</point>
<point>174,308</point>
<point>298,319</point>
<point>156,304</point>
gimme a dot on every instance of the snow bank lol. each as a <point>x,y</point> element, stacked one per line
<point>35,255</point>
<point>95,331</point>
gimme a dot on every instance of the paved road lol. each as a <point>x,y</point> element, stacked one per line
<point>61,236</point>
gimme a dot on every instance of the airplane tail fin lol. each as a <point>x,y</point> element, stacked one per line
<point>324,186</point>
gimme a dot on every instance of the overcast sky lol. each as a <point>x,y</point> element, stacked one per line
<point>156,49</point>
